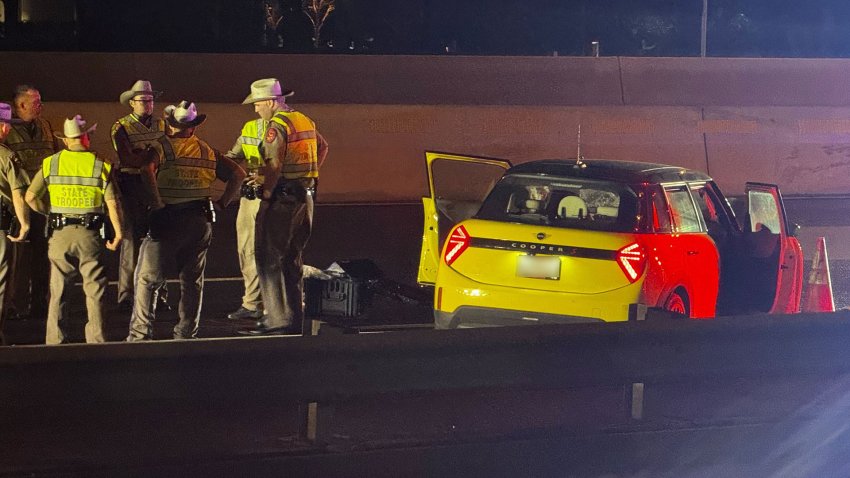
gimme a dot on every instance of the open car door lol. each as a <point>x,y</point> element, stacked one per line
<point>457,185</point>
<point>776,274</point>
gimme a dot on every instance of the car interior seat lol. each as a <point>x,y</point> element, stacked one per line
<point>532,206</point>
<point>572,207</point>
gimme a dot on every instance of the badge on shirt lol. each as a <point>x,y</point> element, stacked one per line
<point>271,135</point>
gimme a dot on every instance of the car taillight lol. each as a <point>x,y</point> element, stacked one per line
<point>457,243</point>
<point>632,261</point>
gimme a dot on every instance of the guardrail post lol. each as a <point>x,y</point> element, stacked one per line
<point>637,401</point>
<point>308,412</point>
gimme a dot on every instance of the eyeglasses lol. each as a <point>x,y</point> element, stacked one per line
<point>143,101</point>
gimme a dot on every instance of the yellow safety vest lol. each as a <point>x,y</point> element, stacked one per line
<point>76,181</point>
<point>301,160</point>
<point>252,135</point>
<point>141,136</point>
<point>31,149</point>
<point>188,175</point>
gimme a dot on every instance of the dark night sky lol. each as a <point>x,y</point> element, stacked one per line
<point>814,28</point>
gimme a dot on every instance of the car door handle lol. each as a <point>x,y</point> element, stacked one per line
<point>693,253</point>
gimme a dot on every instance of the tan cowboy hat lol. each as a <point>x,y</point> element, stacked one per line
<point>6,115</point>
<point>266,89</point>
<point>140,87</point>
<point>183,115</point>
<point>74,128</point>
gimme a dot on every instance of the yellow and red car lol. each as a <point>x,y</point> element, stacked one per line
<point>560,241</point>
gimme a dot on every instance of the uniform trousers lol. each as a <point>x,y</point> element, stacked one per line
<point>136,223</point>
<point>246,220</point>
<point>75,250</point>
<point>181,235</point>
<point>283,228</point>
<point>5,257</point>
<point>29,280</point>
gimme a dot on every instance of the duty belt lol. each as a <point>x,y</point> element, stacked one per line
<point>91,221</point>
<point>200,205</point>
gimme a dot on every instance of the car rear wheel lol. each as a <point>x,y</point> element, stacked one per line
<point>677,303</point>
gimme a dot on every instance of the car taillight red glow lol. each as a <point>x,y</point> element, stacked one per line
<point>457,243</point>
<point>632,261</point>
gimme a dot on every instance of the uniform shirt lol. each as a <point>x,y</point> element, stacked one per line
<point>12,176</point>
<point>39,186</point>
<point>273,144</point>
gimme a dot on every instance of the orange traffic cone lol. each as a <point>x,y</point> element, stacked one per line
<point>819,285</point>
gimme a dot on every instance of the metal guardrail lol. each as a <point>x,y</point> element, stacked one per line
<point>336,368</point>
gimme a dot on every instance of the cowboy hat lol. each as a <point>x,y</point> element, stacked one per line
<point>74,128</point>
<point>6,115</point>
<point>183,115</point>
<point>266,89</point>
<point>140,87</point>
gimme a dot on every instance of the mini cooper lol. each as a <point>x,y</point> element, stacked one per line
<point>561,241</point>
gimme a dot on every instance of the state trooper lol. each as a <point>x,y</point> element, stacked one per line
<point>13,185</point>
<point>135,137</point>
<point>180,221</point>
<point>75,190</point>
<point>32,140</point>
<point>292,150</point>
<point>246,151</point>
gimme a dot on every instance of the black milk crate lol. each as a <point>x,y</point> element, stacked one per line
<point>341,296</point>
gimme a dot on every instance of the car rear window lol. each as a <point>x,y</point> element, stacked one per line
<point>562,202</point>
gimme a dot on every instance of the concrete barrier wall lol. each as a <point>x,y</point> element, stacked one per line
<point>783,121</point>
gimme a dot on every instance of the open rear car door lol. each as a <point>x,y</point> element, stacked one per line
<point>458,185</point>
<point>775,276</point>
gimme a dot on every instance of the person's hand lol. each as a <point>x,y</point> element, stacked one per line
<point>22,234</point>
<point>115,243</point>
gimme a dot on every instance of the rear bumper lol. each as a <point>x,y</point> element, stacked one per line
<point>460,301</point>
<point>469,317</point>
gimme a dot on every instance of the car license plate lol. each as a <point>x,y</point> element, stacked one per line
<point>538,267</point>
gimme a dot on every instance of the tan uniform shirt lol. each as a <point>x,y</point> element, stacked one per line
<point>12,176</point>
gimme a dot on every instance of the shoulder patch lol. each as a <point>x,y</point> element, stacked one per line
<point>271,135</point>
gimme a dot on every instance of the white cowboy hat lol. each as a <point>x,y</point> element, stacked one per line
<point>74,128</point>
<point>266,89</point>
<point>183,115</point>
<point>6,115</point>
<point>140,87</point>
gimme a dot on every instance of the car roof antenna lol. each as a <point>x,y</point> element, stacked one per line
<point>579,157</point>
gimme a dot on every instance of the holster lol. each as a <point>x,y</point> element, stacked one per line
<point>8,219</point>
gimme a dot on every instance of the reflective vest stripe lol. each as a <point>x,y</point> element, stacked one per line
<point>24,145</point>
<point>296,168</point>
<point>249,140</point>
<point>295,137</point>
<point>54,164</point>
<point>76,181</point>
<point>193,163</point>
